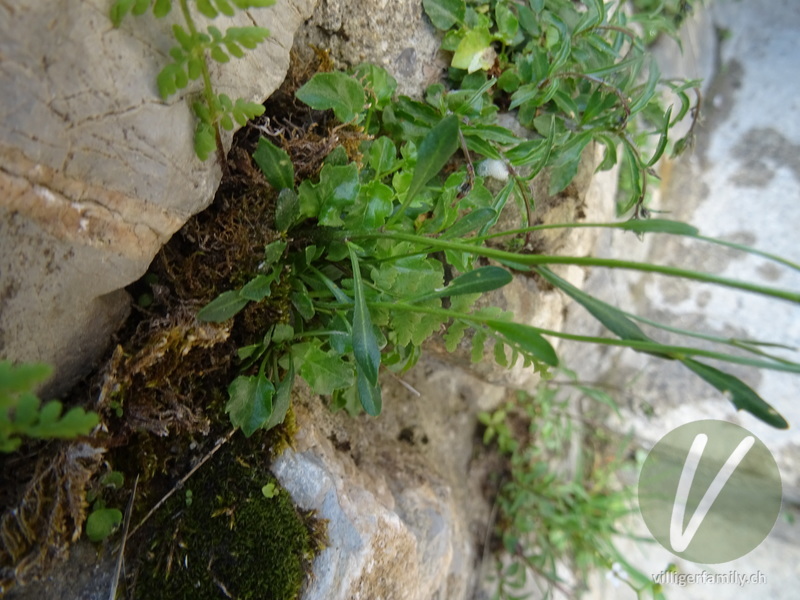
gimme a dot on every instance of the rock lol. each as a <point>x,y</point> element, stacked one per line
<point>403,515</point>
<point>393,34</point>
<point>97,171</point>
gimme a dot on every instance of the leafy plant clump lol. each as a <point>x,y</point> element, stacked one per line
<point>23,415</point>
<point>190,61</point>
<point>549,519</point>
<point>398,236</point>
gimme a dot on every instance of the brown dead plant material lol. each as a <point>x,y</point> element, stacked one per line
<point>50,516</point>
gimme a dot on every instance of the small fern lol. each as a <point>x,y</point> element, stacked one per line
<point>190,61</point>
<point>21,412</point>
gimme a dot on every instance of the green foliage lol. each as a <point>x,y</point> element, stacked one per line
<point>102,522</point>
<point>378,255</point>
<point>547,518</point>
<point>22,413</point>
<point>576,75</point>
<point>190,57</point>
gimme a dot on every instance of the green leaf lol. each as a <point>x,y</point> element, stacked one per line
<point>378,82</point>
<point>335,193</point>
<point>287,210</point>
<point>171,78</point>
<point>219,55</point>
<point>373,206</point>
<point>21,378</point>
<point>162,8</point>
<point>470,222</point>
<point>507,23</point>
<point>270,490</point>
<point>659,226</point>
<point>259,287</point>
<point>323,371</point>
<point>205,140</point>
<point>739,393</point>
<point>119,9</point>
<point>102,522</point>
<point>249,37</point>
<point>283,397</point>
<point>76,422</point>
<point>478,281</point>
<point>224,7</point>
<point>250,402</point>
<point>223,307</point>
<point>445,13</point>
<point>336,91</point>
<point>527,338</point>
<point>611,317</point>
<point>662,141</point>
<point>365,346</point>
<point>483,279</point>
<point>382,156</point>
<point>433,153</point>
<point>275,163</point>
<point>207,9</point>
<point>474,52</point>
<point>140,7</point>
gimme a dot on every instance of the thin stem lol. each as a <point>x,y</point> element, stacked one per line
<point>208,89</point>
<point>666,351</point>
<point>533,260</point>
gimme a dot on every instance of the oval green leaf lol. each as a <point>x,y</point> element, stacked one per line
<point>336,91</point>
<point>223,307</point>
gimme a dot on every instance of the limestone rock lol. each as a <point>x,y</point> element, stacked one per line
<point>96,171</point>
<point>403,515</point>
<point>393,34</point>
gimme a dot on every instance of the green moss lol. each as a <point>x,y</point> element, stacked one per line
<point>223,538</point>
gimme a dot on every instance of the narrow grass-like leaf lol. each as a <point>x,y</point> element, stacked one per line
<point>434,152</point>
<point>527,338</point>
<point>657,226</point>
<point>365,345</point>
<point>223,307</point>
<point>283,397</point>
<point>612,318</point>
<point>475,219</point>
<point>739,393</point>
<point>478,281</point>
<point>439,145</point>
<point>369,394</point>
<point>662,140</point>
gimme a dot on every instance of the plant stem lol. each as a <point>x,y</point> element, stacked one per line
<point>663,350</point>
<point>208,89</point>
<point>533,260</point>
